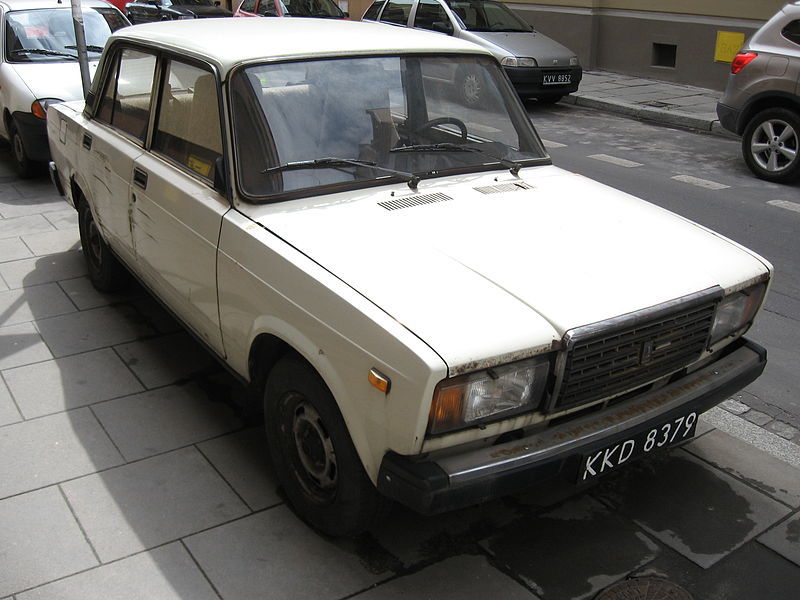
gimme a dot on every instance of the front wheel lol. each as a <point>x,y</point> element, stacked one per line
<point>312,452</point>
<point>770,145</point>
<point>105,271</point>
<point>25,167</point>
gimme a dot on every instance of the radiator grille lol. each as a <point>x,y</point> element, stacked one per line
<point>604,361</point>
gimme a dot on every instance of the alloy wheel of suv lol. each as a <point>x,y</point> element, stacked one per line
<point>770,145</point>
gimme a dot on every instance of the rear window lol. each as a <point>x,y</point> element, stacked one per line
<point>792,32</point>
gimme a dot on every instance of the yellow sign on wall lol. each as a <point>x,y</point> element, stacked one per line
<point>728,44</point>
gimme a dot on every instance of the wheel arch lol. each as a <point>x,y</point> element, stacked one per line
<point>268,348</point>
<point>763,102</point>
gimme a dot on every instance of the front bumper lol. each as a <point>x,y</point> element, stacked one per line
<point>530,81</point>
<point>456,480</point>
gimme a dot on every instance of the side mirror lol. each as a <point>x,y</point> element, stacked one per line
<point>442,27</point>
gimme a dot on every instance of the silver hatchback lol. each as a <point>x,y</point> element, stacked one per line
<point>537,66</point>
<point>762,99</point>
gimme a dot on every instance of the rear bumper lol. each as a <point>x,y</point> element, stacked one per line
<point>729,117</point>
<point>529,81</point>
<point>436,485</point>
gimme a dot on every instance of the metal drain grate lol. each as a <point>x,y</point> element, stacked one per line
<point>644,588</point>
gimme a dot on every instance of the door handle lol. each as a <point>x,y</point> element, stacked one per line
<point>140,178</point>
<point>87,141</point>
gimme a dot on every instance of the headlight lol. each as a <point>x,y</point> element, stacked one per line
<point>39,107</point>
<point>488,395</point>
<point>736,311</point>
<point>518,61</point>
<point>573,62</point>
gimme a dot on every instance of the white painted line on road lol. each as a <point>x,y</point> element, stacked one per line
<point>550,144</point>
<point>620,162</point>
<point>785,204</point>
<point>703,183</point>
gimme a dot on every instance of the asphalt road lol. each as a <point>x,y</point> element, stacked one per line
<point>702,177</point>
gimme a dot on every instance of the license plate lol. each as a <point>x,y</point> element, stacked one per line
<point>557,78</point>
<point>615,455</point>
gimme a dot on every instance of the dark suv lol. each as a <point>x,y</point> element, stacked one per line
<point>762,99</point>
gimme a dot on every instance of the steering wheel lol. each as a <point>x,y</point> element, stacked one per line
<point>443,121</point>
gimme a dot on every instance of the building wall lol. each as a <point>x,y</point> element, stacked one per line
<point>669,40</point>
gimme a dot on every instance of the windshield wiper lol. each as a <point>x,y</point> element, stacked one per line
<point>511,165</point>
<point>90,48</point>
<point>324,163</point>
<point>43,51</point>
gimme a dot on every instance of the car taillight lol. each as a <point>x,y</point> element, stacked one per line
<point>741,60</point>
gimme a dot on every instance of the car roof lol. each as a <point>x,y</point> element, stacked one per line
<point>228,42</point>
<point>31,4</point>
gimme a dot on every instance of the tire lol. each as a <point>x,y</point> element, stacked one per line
<point>24,166</point>
<point>313,455</point>
<point>105,271</point>
<point>770,145</point>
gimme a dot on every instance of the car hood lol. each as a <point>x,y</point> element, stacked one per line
<point>60,80</point>
<point>484,270</point>
<point>547,52</point>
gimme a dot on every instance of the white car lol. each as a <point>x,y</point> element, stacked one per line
<point>39,66</point>
<point>429,310</point>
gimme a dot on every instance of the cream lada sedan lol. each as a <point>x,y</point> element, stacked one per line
<point>430,311</point>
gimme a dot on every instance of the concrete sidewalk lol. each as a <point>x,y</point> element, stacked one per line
<point>668,103</point>
<point>127,473</point>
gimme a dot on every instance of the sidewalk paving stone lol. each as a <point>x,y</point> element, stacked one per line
<point>165,359</point>
<point>165,573</point>
<point>18,206</point>
<point>83,294</point>
<point>8,409</point>
<point>165,419</point>
<point>45,451</point>
<point>19,226</point>
<point>272,554</point>
<point>700,512</point>
<point>573,551</point>
<point>63,219</point>
<point>43,269</point>
<point>40,541</point>
<point>148,503</point>
<point>53,242</point>
<point>13,249</point>
<point>764,472</point>
<point>21,345</point>
<point>71,382</point>
<point>37,302</point>
<point>242,458</point>
<point>784,539</point>
<point>92,329</point>
<point>452,579</point>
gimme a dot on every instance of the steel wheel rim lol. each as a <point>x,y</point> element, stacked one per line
<point>317,470</point>
<point>95,243</point>
<point>774,145</point>
<point>472,88</point>
<point>19,149</point>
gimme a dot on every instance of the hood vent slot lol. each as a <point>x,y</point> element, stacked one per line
<point>414,201</point>
<point>503,187</point>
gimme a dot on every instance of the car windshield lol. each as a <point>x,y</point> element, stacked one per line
<point>312,8</point>
<point>353,122</point>
<point>48,34</point>
<point>187,3</point>
<point>480,15</point>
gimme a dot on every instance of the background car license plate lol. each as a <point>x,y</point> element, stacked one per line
<point>615,455</point>
<point>557,78</point>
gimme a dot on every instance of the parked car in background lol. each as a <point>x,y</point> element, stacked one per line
<point>39,66</point>
<point>538,66</point>
<point>428,310</point>
<point>146,11</point>
<point>325,9</point>
<point>762,98</point>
